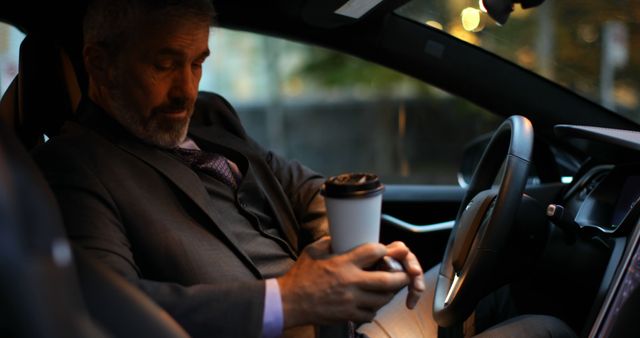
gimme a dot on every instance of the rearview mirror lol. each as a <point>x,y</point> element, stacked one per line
<point>499,10</point>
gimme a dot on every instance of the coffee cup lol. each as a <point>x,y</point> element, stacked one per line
<point>354,203</point>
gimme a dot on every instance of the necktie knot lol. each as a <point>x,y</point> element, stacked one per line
<point>213,164</point>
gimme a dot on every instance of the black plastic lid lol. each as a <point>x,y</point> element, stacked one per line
<point>352,185</point>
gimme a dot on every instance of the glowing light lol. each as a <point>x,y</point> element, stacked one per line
<point>626,96</point>
<point>566,179</point>
<point>588,33</point>
<point>464,35</point>
<point>526,57</point>
<point>470,19</point>
<point>434,24</point>
<point>481,6</point>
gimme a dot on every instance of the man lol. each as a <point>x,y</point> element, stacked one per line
<point>229,238</point>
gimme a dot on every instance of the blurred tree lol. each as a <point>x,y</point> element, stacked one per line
<point>329,69</point>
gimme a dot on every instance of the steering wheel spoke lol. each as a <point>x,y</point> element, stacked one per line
<point>452,289</point>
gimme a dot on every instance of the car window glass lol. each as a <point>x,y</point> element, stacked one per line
<point>586,46</point>
<point>337,113</point>
<point>10,39</point>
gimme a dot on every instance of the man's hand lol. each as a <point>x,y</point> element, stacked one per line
<point>400,252</point>
<point>322,288</point>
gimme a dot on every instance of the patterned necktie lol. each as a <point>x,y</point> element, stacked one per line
<point>213,164</point>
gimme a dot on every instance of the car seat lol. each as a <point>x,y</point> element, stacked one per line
<point>43,95</point>
<point>47,289</point>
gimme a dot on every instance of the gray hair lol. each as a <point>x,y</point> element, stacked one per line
<point>108,22</point>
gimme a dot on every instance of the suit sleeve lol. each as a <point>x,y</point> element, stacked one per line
<point>302,186</point>
<point>93,223</point>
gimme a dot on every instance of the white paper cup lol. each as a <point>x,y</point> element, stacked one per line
<point>354,203</point>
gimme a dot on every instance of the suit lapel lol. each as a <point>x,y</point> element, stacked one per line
<point>182,176</point>
<point>191,185</point>
<point>227,142</point>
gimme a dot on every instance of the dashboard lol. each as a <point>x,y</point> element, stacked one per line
<point>604,203</point>
<point>605,199</point>
<point>605,196</point>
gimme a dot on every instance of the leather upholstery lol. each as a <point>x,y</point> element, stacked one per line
<point>43,95</point>
<point>46,289</point>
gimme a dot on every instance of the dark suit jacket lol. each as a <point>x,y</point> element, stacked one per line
<point>146,215</point>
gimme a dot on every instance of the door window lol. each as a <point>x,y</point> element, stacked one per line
<point>337,113</point>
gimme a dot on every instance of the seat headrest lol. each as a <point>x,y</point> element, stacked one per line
<point>44,94</point>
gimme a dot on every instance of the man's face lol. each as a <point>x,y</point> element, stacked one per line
<point>154,81</point>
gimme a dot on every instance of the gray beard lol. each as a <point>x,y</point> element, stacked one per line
<point>155,130</point>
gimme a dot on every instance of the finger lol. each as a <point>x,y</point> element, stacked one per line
<point>412,265</point>
<point>417,283</point>
<point>380,281</point>
<point>388,264</point>
<point>366,255</point>
<point>413,296</point>
<point>416,288</point>
<point>397,250</point>
<point>401,252</point>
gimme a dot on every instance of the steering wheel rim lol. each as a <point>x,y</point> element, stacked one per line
<point>483,222</point>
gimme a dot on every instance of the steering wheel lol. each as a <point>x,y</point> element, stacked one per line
<point>483,223</point>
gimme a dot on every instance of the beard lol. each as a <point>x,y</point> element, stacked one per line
<point>157,128</point>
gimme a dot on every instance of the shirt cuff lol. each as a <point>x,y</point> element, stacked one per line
<point>272,319</point>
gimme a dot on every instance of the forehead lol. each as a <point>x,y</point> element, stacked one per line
<point>153,34</point>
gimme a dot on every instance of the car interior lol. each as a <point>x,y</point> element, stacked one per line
<point>567,250</point>
<point>41,294</point>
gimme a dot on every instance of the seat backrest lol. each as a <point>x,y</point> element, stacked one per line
<point>38,288</point>
<point>44,290</point>
<point>37,274</point>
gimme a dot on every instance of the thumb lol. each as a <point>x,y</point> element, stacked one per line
<point>320,248</point>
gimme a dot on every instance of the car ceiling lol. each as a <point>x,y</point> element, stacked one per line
<point>428,54</point>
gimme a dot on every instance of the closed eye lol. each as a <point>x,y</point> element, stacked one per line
<point>163,65</point>
<point>199,61</point>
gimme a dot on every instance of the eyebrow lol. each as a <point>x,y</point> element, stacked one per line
<point>173,52</point>
<point>205,54</point>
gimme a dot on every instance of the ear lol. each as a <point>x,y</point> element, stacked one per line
<point>99,64</point>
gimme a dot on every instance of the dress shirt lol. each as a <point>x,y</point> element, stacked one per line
<point>273,316</point>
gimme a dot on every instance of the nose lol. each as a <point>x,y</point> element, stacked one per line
<point>185,85</point>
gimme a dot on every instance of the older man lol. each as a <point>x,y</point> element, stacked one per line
<point>229,238</point>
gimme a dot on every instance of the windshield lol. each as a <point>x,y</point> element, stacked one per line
<point>585,45</point>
